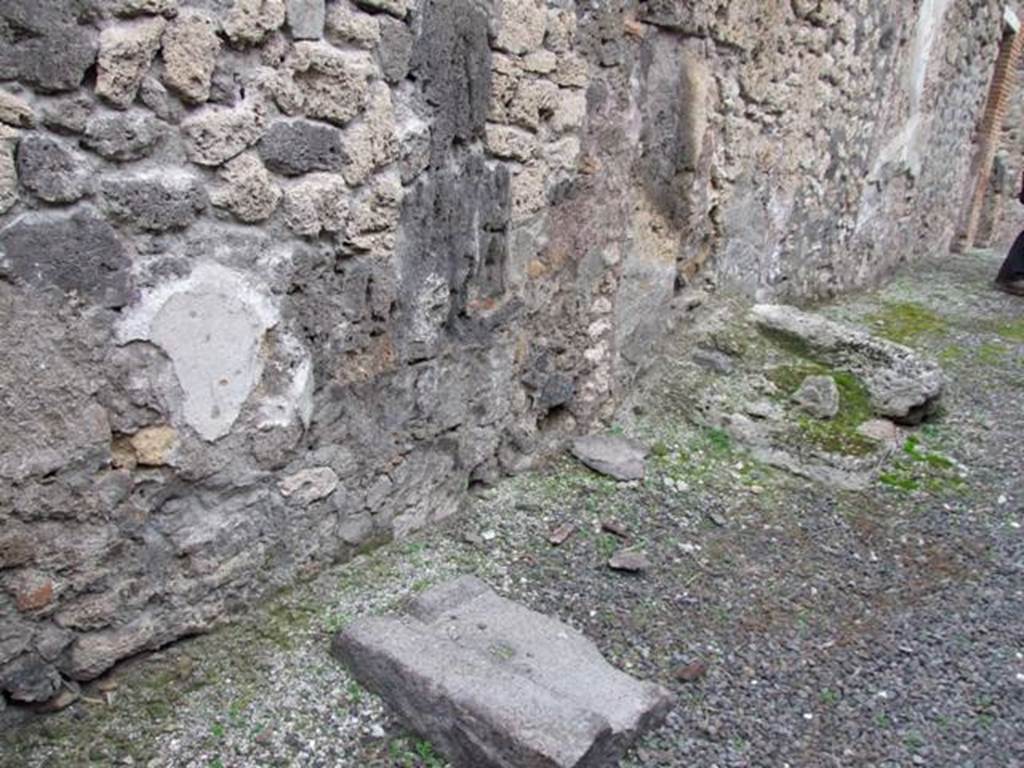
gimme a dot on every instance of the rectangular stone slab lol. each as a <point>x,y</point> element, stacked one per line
<point>493,684</point>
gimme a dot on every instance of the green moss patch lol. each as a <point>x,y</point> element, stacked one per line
<point>1012,331</point>
<point>905,321</point>
<point>919,467</point>
<point>839,434</point>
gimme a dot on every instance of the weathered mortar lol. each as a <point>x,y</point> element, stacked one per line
<point>279,279</point>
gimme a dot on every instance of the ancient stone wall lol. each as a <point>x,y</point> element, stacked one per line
<point>280,278</point>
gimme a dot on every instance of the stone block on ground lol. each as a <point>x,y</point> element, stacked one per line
<point>617,457</point>
<point>903,385</point>
<point>495,685</point>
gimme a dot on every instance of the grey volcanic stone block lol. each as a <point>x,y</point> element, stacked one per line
<point>904,386</point>
<point>127,136</point>
<point>156,202</point>
<point>294,147</point>
<point>30,679</point>
<point>452,58</point>
<point>78,252</point>
<point>42,44</point>
<point>613,456</point>
<point>495,685</point>
<point>51,170</point>
<point>396,41</point>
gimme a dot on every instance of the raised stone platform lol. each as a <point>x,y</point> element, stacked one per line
<point>495,685</point>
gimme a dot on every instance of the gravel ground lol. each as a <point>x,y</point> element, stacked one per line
<point>798,625</point>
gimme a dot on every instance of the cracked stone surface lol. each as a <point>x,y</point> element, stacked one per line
<point>496,685</point>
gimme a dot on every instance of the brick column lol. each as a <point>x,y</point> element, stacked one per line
<point>999,92</point>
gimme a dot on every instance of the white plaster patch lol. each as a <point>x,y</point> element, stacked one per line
<point>211,325</point>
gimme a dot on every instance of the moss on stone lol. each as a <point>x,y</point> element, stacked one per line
<point>838,434</point>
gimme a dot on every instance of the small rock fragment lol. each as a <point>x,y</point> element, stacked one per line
<point>153,445</point>
<point>763,409</point>
<point>616,457</point>
<point>129,8</point>
<point>691,672</point>
<point>153,94</point>
<point>616,528</point>
<point>717,519</point>
<point>126,52</point>
<point>190,50</point>
<point>15,111</point>
<point>818,396</point>
<point>51,170</point>
<point>511,143</point>
<point>882,430</point>
<point>64,699</point>
<point>629,560</point>
<point>561,534</point>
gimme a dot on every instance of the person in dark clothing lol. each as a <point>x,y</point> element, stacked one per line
<point>1011,275</point>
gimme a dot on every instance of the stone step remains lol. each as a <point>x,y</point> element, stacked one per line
<point>493,684</point>
<point>904,386</point>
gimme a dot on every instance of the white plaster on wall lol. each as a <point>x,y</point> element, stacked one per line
<point>211,325</point>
